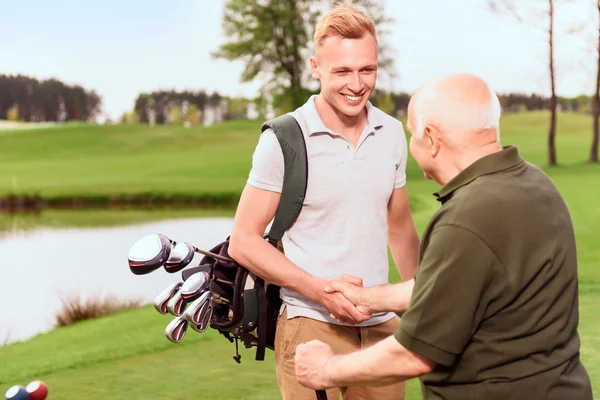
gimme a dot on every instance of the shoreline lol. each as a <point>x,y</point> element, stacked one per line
<point>36,203</point>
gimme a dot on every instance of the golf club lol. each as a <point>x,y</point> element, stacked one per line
<point>194,286</point>
<point>204,316</point>
<point>181,257</point>
<point>160,302</point>
<point>149,253</point>
<point>176,329</point>
<point>193,312</point>
<point>176,305</point>
<point>184,255</point>
<point>321,394</point>
<point>153,251</point>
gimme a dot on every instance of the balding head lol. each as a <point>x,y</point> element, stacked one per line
<point>454,122</point>
<point>460,106</point>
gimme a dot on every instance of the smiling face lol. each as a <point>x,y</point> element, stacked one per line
<point>347,69</point>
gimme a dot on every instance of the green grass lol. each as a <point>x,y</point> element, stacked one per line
<point>116,159</point>
<point>126,355</point>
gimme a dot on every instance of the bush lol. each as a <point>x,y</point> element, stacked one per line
<point>75,308</point>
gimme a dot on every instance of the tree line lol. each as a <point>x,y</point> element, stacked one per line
<point>23,98</point>
<point>172,107</point>
<point>273,38</point>
<point>397,103</point>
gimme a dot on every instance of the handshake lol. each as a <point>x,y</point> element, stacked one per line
<point>348,301</point>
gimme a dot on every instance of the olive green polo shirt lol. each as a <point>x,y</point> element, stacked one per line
<point>495,301</point>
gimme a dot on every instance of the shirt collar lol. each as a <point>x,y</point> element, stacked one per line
<point>316,125</point>
<point>490,164</point>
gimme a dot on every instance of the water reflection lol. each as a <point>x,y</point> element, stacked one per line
<point>40,265</point>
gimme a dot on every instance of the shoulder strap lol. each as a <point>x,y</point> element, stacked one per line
<point>291,139</point>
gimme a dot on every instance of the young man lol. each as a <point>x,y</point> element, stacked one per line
<point>356,204</point>
<point>494,308</point>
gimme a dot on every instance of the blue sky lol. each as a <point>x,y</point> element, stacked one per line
<point>120,48</point>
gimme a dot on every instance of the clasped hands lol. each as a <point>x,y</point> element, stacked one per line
<point>344,298</point>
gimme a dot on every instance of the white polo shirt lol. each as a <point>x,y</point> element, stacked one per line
<point>342,227</point>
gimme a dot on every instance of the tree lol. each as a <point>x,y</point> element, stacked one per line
<point>384,101</point>
<point>273,38</point>
<point>192,117</point>
<point>175,116</point>
<point>269,37</point>
<point>13,113</point>
<point>509,6</point>
<point>47,100</point>
<point>237,108</point>
<point>596,107</point>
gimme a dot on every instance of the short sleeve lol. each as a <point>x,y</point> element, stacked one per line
<point>400,180</point>
<point>267,163</point>
<point>447,301</point>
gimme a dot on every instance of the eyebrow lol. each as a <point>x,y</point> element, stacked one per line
<point>343,69</point>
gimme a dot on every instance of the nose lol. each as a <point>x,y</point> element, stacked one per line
<point>356,83</point>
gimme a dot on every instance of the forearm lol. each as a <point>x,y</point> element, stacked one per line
<point>392,297</point>
<point>404,246</point>
<point>266,261</point>
<point>381,364</point>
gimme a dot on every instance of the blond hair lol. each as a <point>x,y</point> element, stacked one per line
<point>344,20</point>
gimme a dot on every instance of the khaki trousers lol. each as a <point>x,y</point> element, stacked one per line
<point>342,339</point>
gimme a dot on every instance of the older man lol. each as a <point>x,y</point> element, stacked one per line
<point>494,308</point>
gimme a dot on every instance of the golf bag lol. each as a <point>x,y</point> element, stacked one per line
<point>249,305</point>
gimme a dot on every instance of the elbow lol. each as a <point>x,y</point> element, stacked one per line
<point>423,366</point>
<point>236,244</point>
<point>240,243</point>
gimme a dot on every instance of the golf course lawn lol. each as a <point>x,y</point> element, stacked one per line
<point>126,356</point>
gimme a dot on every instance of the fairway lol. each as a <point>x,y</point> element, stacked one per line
<point>126,356</point>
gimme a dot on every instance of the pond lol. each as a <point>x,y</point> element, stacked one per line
<point>39,265</point>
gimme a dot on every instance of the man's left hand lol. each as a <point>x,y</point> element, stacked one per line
<point>311,360</point>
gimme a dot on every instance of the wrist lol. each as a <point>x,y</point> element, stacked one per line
<point>312,287</point>
<point>329,372</point>
<point>372,299</point>
<point>404,295</point>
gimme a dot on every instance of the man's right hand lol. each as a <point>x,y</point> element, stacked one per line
<point>339,306</point>
<point>353,293</point>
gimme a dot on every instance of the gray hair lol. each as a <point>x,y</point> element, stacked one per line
<point>454,114</point>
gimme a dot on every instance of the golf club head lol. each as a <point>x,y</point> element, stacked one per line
<point>176,329</point>
<point>176,305</point>
<point>204,316</point>
<point>149,253</point>
<point>194,286</point>
<point>186,273</point>
<point>160,302</point>
<point>193,311</point>
<point>181,256</point>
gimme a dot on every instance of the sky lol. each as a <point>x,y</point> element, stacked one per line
<point>121,48</point>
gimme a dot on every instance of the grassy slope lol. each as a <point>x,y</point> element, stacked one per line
<point>74,160</point>
<point>126,356</point>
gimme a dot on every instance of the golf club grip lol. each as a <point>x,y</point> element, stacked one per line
<point>321,394</point>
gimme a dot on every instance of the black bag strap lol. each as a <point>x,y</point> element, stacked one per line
<point>262,322</point>
<point>291,139</point>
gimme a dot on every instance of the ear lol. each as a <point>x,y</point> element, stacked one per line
<point>433,140</point>
<point>314,68</point>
